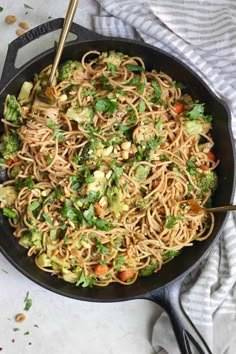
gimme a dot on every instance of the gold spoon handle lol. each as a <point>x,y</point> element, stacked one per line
<point>221,209</point>
<point>64,33</point>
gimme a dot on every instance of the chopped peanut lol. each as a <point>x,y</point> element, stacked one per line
<point>10,19</point>
<point>99,210</point>
<point>19,32</point>
<point>20,318</point>
<point>24,25</point>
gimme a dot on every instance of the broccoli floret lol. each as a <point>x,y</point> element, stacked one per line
<point>80,115</point>
<point>141,173</point>
<point>92,150</point>
<point>69,276</point>
<point>149,269</point>
<point>196,127</point>
<point>208,182</point>
<point>115,201</point>
<point>7,195</point>
<point>66,69</point>
<point>26,241</point>
<point>112,58</point>
<point>31,238</point>
<point>12,109</point>
<point>10,145</point>
<point>98,183</point>
<point>170,254</point>
<point>25,91</point>
<point>44,261</point>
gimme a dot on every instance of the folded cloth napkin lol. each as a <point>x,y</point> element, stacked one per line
<point>203,35</point>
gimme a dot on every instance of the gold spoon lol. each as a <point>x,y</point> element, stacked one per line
<point>47,95</point>
<point>195,208</point>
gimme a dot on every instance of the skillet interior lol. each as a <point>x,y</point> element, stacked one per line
<point>154,59</point>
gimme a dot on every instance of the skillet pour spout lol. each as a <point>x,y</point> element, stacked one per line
<point>163,287</point>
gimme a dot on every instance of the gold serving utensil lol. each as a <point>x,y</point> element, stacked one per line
<point>48,94</point>
<point>195,208</point>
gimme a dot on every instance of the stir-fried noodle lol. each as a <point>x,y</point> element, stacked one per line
<point>97,181</point>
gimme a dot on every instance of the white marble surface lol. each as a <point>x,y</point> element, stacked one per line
<point>64,325</point>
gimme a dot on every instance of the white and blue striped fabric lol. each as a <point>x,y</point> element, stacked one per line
<point>203,35</point>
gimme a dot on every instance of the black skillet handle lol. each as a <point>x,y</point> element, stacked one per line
<point>185,332</point>
<point>9,69</point>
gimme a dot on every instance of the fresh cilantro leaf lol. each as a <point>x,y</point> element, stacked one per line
<point>16,329</point>
<point>89,92</point>
<point>149,269</point>
<point>111,68</point>
<point>84,238</point>
<point>135,81</point>
<point>171,220</point>
<point>169,255</point>
<point>58,193</point>
<point>49,159</point>
<point>51,124</point>
<point>9,213</point>
<point>70,212</point>
<point>66,240</point>
<point>4,271</point>
<point>118,261</point>
<point>29,182</point>
<point>158,124</point>
<point>117,171</point>
<point>58,134</point>
<point>140,88</point>
<point>132,67</point>
<point>190,187</point>
<point>154,143</point>
<point>120,91</point>
<point>104,250</point>
<point>47,219</point>
<point>158,92</point>
<point>104,105</point>
<point>26,333</point>
<point>164,157</point>
<point>26,6</point>
<point>28,302</point>
<point>86,281</point>
<point>92,197</point>
<point>3,161</point>
<point>18,184</point>
<point>118,242</point>
<point>101,224</point>
<point>89,215</point>
<point>191,168</point>
<point>196,112</point>
<point>33,206</point>
<point>141,106</point>
<point>1,8</point>
<point>178,85</point>
<point>133,119</point>
<point>101,261</point>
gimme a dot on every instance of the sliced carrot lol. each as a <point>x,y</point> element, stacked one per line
<point>204,167</point>
<point>26,111</point>
<point>101,269</point>
<point>211,156</point>
<point>126,274</point>
<point>9,162</point>
<point>99,210</point>
<point>179,107</point>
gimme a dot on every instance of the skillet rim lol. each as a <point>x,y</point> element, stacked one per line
<point>42,55</point>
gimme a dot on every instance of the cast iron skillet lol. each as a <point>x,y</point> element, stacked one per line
<point>164,287</point>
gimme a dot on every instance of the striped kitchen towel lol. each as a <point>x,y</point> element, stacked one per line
<point>203,35</point>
